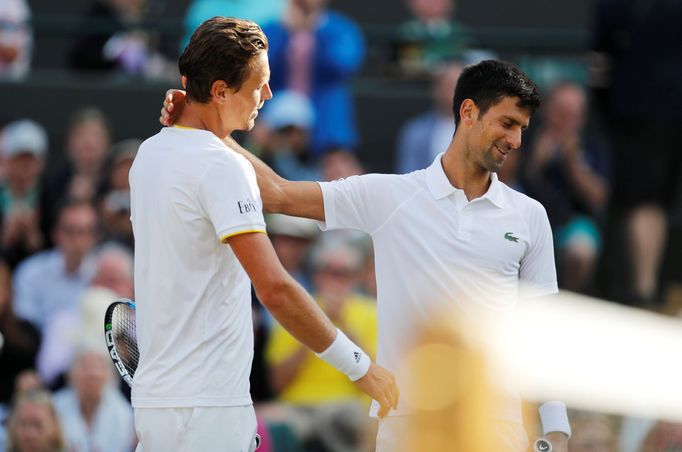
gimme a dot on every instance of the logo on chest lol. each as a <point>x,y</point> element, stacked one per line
<point>510,236</point>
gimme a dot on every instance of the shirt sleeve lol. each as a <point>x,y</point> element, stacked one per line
<point>26,296</point>
<point>230,197</point>
<point>538,270</point>
<point>363,203</point>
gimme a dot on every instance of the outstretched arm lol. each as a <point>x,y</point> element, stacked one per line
<point>299,199</point>
<point>296,198</point>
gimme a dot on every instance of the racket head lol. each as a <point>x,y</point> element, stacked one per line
<point>121,338</point>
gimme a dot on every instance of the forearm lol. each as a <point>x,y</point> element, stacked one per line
<point>298,313</point>
<point>591,186</point>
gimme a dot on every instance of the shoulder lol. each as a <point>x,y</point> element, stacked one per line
<point>521,202</point>
<point>37,264</point>
<point>419,123</point>
<point>381,183</point>
<point>64,399</point>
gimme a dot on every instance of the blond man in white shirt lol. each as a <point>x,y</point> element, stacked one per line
<point>199,241</point>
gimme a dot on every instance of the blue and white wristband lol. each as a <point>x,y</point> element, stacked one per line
<point>554,418</point>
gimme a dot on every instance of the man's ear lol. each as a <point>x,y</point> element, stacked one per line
<point>220,91</point>
<point>184,82</point>
<point>468,112</point>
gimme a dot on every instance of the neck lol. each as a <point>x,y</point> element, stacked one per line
<point>88,410</point>
<point>462,172</point>
<point>203,117</point>
<point>72,263</point>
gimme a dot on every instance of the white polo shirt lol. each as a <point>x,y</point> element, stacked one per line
<point>188,193</point>
<point>436,252</point>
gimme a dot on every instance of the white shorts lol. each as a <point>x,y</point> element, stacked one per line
<point>197,429</point>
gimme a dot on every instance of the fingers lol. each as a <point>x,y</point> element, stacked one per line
<point>396,395</point>
<point>164,117</point>
<point>384,408</point>
<point>390,397</point>
<point>381,385</point>
<point>168,102</point>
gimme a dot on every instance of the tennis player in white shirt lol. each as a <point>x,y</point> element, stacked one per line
<point>448,237</point>
<point>199,239</point>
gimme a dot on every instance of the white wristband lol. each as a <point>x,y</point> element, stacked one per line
<point>554,418</point>
<point>346,357</point>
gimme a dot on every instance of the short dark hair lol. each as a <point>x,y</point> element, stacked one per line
<point>489,81</point>
<point>221,48</point>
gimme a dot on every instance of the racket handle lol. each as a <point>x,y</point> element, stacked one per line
<point>542,445</point>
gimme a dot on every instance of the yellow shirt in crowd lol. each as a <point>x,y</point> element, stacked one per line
<point>317,382</point>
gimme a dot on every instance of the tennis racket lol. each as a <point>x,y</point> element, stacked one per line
<point>119,332</point>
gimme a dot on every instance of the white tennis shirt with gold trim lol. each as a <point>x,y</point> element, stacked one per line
<point>436,252</point>
<point>188,193</point>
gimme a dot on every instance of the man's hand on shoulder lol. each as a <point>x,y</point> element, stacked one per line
<point>173,104</point>
<point>380,385</point>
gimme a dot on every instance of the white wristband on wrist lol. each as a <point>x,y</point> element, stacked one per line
<point>346,357</point>
<point>554,418</point>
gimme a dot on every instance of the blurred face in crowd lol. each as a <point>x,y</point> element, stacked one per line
<point>490,137</point>
<point>118,177</point>
<point>338,164</point>
<point>88,144</point>
<point>290,250</point>
<point>23,171</point>
<point>292,138</point>
<point>89,374</point>
<point>310,6</point>
<point>593,435</point>
<point>128,8</point>
<point>76,231</point>
<point>444,86</point>
<point>337,272</point>
<point>114,273</point>
<point>33,428</point>
<point>565,111</point>
<point>428,10</point>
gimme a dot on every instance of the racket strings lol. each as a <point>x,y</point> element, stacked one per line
<point>125,339</point>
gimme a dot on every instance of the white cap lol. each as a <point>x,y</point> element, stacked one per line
<point>23,136</point>
<point>289,108</point>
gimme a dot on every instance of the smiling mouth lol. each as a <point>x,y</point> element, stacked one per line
<point>504,153</point>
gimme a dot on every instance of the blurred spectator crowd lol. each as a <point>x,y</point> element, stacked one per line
<point>602,155</point>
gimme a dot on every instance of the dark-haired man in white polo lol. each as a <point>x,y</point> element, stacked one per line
<point>451,236</point>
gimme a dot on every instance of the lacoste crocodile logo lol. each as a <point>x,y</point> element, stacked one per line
<point>509,236</point>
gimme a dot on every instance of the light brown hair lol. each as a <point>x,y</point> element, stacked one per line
<point>222,48</point>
